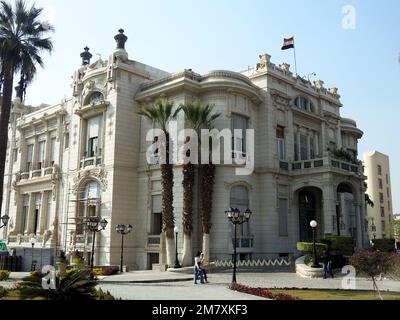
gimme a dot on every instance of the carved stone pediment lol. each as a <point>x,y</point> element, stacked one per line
<point>280,98</point>
<point>99,174</point>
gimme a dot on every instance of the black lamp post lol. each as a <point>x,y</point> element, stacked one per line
<point>33,241</point>
<point>313,225</point>
<point>94,224</point>
<point>123,230</point>
<point>237,217</point>
<point>177,265</point>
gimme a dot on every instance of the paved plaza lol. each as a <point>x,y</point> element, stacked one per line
<point>144,285</point>
<point>153,285</point>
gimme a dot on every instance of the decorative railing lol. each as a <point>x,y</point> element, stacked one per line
<point>90,161</point>
<point>327,162</point>
<point>254,263</point>
<point>37,173</point>
<point>153,240</point>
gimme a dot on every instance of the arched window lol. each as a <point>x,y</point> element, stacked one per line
<point>304,104</point>
<point>96,97</point>
<point>239,198</point>
<point>89,202</point>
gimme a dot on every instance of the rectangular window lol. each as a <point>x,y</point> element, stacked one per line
<point>383,226</point>
<point>280,142</point>
<point>303,147</point>
<point>381,197</point>
<point>38,203</point>
<point>387,179</point>
<point>389,206</point>
<point>239,142</point>
<point>296,148</point>
<point>156,215</point>
<point>283,217</point>
<point>93,136</point>
<point>388,192</point>
<point>380,184</point>
<point>66,140</point>
<point>312,148</point>
<point>379,170</point>
<point>25,210</point>
<point>15,155</point>
<point>382,212</point>
<point>41,154</point>
<point>52,151</point>
<point>29,158</point>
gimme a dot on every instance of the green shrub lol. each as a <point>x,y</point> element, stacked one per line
<point>309,247</point>
<point>4,275</point>
<point>78,261</point>
<point>98,271</point>
<point>101,295</point>
<point>384,245</point>
<point>3,292</point>
<point>307,260</point>
<point>340,244</point>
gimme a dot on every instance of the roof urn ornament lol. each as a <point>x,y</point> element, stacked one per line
<point>86,56</point>
<point>121,39</point>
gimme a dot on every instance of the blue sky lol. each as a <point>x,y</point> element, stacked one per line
<point>230,34</point>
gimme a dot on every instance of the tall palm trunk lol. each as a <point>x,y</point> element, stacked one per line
<point>207,177</point>
<point>4,120</point>
<point>167,181</point>
<point>188,184</point>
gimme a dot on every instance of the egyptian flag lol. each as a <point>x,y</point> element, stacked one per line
<point>288,43</point>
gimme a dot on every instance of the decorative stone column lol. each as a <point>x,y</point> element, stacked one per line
<point>329,208</point>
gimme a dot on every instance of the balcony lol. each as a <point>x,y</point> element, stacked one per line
<point>153,240</point>
<point>323,164</point>
<point>82,240</point>
<point>36,174</point>
<point>91,161</point>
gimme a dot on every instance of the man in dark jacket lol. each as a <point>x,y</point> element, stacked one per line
<point>327,261</point>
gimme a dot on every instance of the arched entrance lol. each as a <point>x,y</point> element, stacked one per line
<point>346,219</point>
<point>310,208</point>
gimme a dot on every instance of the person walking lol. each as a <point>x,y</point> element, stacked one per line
<point>198,274</point>
<point>203,267</point>
<point>327,261</point>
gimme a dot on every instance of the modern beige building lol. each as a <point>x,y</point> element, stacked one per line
<point>380,217</point>
<point>87,156</point>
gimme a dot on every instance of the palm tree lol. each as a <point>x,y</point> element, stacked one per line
<point>76,286</point>
<point>160,114</point>
<point>197,116</point>
<point>22,39</point>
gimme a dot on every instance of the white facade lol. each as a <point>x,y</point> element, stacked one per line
<point>87,156</point>
<point>380,217</point>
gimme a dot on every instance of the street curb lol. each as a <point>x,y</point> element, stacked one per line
<point>146,281</point>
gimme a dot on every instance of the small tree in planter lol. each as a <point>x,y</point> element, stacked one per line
<point>373,264</point>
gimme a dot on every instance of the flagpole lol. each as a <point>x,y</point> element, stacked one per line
<point>295,60</point>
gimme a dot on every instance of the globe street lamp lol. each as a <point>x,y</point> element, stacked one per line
<point>123,230</point>
<point>177,265</point>
<point>237,217</point>
<point>94,224</point>
<point>313,225</point>
<point>33,241</point>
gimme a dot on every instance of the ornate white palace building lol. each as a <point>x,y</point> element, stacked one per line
<point>87,156</point>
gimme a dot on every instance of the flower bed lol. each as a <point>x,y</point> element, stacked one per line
<point>264,293</point>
